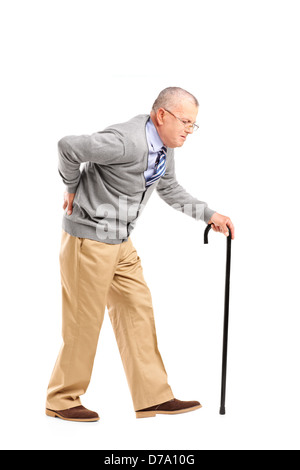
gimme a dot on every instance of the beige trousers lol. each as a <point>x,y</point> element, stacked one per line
<point>96,275</point>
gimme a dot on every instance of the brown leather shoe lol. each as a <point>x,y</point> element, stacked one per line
<point>78,413</point>
<point>171,407</point>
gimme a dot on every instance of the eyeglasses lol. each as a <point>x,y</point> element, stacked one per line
<point>185,123</point>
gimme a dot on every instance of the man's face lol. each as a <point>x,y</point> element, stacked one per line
<point>172,131</point>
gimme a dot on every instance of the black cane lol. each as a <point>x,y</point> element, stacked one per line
<point>226,317</point>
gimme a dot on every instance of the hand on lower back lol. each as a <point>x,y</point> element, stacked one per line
<point>68,202</point>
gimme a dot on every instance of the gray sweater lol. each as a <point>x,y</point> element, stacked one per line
<point>106,171</point>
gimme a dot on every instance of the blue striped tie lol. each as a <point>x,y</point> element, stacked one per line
<point>160,166</point>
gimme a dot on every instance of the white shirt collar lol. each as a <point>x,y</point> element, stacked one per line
<point>154,141</point>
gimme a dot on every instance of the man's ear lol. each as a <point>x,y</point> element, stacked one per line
<point>159,116</point>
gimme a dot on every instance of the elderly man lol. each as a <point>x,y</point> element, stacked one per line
<point>122,165</point>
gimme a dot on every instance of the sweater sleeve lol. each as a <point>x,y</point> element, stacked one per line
<point>104,148</point>
<point>176,196</point>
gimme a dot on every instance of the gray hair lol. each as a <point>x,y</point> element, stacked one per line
<point>172,96</point>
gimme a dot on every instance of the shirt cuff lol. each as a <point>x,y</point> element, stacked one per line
<point>71,189</point>
<point>208,213</point>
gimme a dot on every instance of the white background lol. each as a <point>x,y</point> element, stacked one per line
<point>73,67</point>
